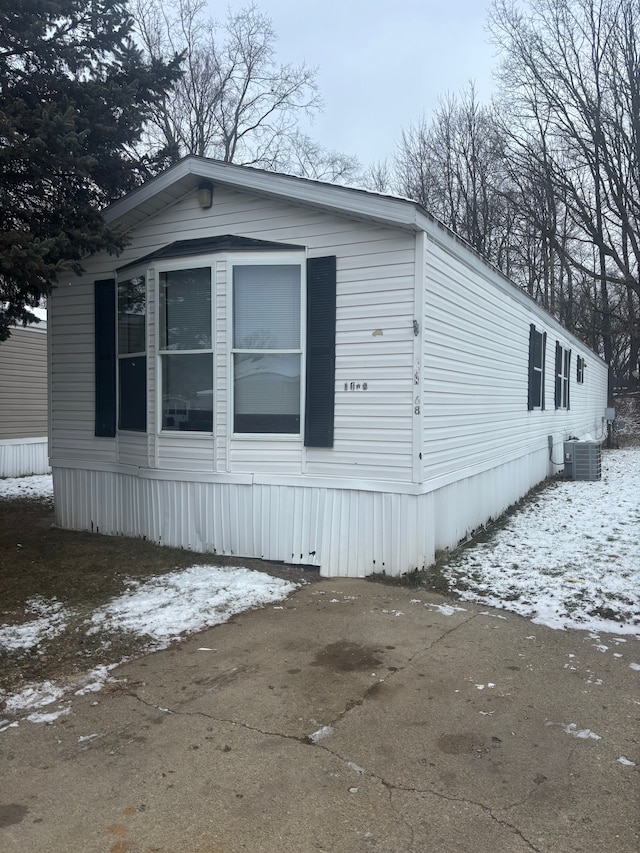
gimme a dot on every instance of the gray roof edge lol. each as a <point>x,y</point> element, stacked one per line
<point>393,210</point>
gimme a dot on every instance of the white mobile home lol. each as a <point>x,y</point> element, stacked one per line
<point>24,401</point>
<point>290,370</point>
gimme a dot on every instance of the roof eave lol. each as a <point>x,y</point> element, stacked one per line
<point>184,177</point>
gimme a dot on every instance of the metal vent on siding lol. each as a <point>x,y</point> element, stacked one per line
<point>582,460</point>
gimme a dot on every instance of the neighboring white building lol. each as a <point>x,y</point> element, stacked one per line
<point>286,369</point>
<point>24,401</point>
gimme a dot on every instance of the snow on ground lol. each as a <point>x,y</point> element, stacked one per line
<point>51,621</point>
<point>188,601</point>
<point>570,558</point>
<point>164,609</point>
<point>40,486</point>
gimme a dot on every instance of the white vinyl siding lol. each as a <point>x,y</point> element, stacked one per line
<point>476,357</point>
<point>375,268</point>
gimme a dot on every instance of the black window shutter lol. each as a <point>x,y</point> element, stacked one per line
<point>568,375</point>
<point>532,338</point>
<point>544,361</point>
<point>105,356</point>
<point>321,352</point>
<point>558,383</point>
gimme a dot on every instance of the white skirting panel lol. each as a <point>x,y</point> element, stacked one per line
<point>346,532</point>
<point>20,457</point>
<point>464,506</point>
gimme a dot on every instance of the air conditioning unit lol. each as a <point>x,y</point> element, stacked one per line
<point>582,460</point>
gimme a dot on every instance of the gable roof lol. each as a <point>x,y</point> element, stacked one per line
<point>189,173</point>
<point>185,177</point>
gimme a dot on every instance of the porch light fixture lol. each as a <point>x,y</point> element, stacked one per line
<point>205,195</point>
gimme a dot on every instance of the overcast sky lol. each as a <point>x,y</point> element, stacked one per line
<point>381,63</point>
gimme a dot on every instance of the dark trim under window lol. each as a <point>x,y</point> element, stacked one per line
<point>537,351</point>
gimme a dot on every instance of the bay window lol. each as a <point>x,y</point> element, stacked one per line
<point>280,315</point>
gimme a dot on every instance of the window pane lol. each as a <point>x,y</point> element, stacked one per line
<point>185,309</point>
<point>133,393</point>
<point>132,309</point>
<point>266,306</point>
<point>267,393</point>
<point>187,392</point>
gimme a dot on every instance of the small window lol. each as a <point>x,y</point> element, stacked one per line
<point>186,350</point>
<point>563,368</point>
<point>267,348</point>
<point>537,348</point>
<point>132,354</point>
<point>579,370</point>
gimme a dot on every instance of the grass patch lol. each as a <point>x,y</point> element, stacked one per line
<point>83,572</point>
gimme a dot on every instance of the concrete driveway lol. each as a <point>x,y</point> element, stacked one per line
<point>354,717</point>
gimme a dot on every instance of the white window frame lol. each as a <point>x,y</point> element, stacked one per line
<point>270,259</point>
<point>563,376</point>
<point>175,265</point>
<point>539,370</point>
<point>566,377</point>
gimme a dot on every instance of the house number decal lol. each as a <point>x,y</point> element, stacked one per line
<point>356,386</point>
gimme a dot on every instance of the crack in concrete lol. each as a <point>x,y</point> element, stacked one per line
<point>486,809</point>
<point>389,786</point>
<point>304,739</point>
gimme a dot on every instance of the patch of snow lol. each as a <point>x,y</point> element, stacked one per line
<point>36,486</point>
<point>325,731</point>
<point>51,717</point>
<point>626,761</point>
<point>51,621</point>
<point>445,609</point>
<point>569,558</point>
<point>573,730</point>
<point>34,696</point>
<point>95,680</point>
<point>88,738</point>
<point>635,666</point>
<point>179,603</point>
<point>164,609</point>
